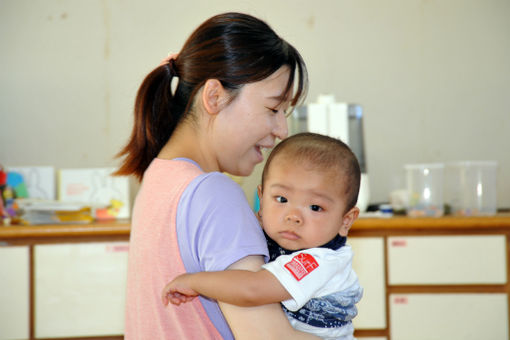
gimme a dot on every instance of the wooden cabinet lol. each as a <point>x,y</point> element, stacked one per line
<point>14,292</point>
<point>468,259</point>
<point>462,316</point>
<point>424,278</point>
<point>63,281</point>
<point>369,264</point>
<point>83,284</point>
<point>443,278</point>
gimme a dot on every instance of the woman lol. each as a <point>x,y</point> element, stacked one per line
<point>235,82</point>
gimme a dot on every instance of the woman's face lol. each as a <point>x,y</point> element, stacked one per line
<point>250,123</point>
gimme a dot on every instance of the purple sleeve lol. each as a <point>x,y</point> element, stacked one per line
<point>215,224</point>
<point>215,228</point>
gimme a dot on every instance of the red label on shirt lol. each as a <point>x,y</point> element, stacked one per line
<point>301,265</point>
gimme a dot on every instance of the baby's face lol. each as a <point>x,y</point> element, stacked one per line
<point>302,207</point>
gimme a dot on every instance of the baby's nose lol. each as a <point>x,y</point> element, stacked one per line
<point>293,218</point>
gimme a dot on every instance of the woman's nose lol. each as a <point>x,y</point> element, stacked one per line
<point>281,130</point>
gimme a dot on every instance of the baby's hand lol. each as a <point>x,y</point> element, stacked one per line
<point>178,291</point>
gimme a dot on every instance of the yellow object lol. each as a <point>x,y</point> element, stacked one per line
<point>237,179</point>
<point>82,215</point>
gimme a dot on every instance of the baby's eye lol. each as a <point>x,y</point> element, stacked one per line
<point>315,207</point>
<point>281,199</point>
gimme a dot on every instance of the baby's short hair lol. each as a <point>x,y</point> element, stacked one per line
<point>323,153</point>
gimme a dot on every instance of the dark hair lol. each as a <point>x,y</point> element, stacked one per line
<point>234,48</point>
<point>321,152</point>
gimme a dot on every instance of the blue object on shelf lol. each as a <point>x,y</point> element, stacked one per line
<point>15,181</point>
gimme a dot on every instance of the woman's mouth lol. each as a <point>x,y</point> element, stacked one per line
<point>260,156</point>
<point>260,152</point>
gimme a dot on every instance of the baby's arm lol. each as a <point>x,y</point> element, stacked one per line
<point>237,287</point>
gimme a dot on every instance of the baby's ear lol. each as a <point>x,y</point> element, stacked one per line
<point>347,221</point>
<point>259,191</point>
<point>259,212</point>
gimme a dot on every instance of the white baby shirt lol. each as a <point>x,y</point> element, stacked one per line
<point>324,281</point>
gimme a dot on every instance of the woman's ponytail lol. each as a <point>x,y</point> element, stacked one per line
<point>156,116</point>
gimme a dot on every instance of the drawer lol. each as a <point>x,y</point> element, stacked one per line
<point>449,316</point>
<point>368,263</point>
<point>80,289</point>
<point>447,260</point>
<point>14,292</point>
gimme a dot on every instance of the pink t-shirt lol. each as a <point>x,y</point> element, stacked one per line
<point>184,220</point>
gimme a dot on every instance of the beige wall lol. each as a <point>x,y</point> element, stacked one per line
<point>433,76</point>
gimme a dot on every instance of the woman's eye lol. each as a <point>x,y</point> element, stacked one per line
<point>275,111</point>
<point>281,199</point>
<point>315,207</point>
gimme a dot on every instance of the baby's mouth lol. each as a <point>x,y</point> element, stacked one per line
<point>289,235</point>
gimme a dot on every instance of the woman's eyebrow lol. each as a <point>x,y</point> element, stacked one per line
<point>281,97</point>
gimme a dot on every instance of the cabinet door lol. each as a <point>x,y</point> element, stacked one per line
<point>368,263</point>
<point>14,293</point>
<point>449,316</point>
<point>80,289</point>
<point>447,260</point>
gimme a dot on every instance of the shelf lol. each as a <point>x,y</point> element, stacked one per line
<point>111,230</point>
<point>431,225</point>
<point>120,229</point>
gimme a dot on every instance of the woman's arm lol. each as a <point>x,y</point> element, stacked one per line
<point>261,322</point>
<point>237,287</point>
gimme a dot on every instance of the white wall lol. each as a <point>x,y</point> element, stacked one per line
<point>433,76</point>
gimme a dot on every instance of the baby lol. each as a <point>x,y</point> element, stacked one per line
<point>308,194</point>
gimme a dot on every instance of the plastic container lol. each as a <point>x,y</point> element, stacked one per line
<point>471,188</point>
<point>425,189</point>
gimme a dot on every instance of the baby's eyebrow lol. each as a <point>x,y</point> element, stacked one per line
<point>313,193</point>
<point>325,197</point>
<point>279,186</point>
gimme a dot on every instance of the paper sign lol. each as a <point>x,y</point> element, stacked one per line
<point>39,181</point>
<point>97,187</point>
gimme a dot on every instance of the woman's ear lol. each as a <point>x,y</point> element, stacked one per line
<point>214,96</point>
<point>347,221</point>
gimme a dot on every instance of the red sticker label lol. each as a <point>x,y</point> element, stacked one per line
<point>399,243</point>
<point>121,248</point>
<point>401,300</point>
<point>301,265</point>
